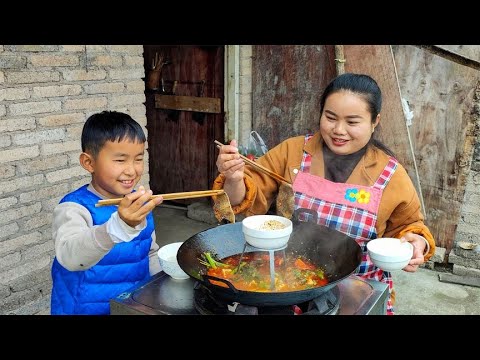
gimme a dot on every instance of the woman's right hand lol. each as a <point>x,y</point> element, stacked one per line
<point>229,162</point>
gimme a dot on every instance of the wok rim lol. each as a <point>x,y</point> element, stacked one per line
<point>267,298</point>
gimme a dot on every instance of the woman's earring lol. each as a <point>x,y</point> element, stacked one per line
<point>373,129</point>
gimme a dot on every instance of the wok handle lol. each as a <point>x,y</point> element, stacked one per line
<point>297,212</point>
<point>209,278</point>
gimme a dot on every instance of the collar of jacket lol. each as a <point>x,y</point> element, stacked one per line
<point>314,146</point>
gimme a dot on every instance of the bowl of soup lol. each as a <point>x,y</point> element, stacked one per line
<point>267,232</point>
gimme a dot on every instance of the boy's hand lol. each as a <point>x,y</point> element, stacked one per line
<point>134,207</point>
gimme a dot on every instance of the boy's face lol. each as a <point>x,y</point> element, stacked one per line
<point>117,168</point>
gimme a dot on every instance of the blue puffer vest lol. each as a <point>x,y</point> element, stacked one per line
<point>89,291</point>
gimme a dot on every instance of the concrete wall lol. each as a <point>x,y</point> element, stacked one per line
<point>468,229</point>
<point>245,92</point>
<point>46,94</point>
<point>467,262</point>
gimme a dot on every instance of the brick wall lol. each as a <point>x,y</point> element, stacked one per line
<point>46,94</point>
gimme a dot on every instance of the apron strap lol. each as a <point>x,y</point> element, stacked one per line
<point>386,174</point>
<point>307,158</point>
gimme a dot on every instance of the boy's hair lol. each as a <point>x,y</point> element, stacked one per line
<point>109,126</point>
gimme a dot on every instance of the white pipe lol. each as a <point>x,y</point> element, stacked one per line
<point>237,92</point>
<point>232,92</point>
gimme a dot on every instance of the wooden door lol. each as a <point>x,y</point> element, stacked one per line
<point>182,152</point>
<point>287,83</point>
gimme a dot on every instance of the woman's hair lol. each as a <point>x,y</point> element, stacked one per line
<point>109,126</point>
<point>363,86</point>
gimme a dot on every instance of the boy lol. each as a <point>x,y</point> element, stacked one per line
<point>101,252</point>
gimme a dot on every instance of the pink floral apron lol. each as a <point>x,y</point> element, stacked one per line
<point>350,209</point>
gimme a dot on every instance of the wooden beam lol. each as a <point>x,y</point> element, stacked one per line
<point>456,279</point>
<point>188,103</point>
<point>450,55</point>
<point>340,59</point>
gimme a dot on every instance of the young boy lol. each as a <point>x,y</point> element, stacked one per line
<point>103,251</point>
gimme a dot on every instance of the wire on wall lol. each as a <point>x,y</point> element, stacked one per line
<point>410,139</point>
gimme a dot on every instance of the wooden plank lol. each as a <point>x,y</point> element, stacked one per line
<point>456,279</point>
<point>287,83</point>
<point>377,61</point>
<point>441,93</point>
<point>188,103</point>
<point>451,55</point>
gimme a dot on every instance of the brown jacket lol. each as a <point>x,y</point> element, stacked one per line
<point>399,210</point>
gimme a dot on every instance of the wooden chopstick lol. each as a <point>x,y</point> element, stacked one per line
<point>259,167</point>
<point>170,196</point>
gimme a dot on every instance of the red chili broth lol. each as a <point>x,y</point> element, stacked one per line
<point>292,273</point>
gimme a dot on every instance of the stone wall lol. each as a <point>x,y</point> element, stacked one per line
<point>46,94</point>
<point>466,262</point>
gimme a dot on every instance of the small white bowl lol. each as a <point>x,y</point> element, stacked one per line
<point>389,254</point>
<point>168,261</point>
<point>263,238</point>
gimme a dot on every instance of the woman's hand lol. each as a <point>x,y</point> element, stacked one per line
<point>229,162</point>
<point>418,249</point>
<point>232,167</point>
<point>135,207</point>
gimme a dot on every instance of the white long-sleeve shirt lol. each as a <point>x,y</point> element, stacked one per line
<point>79,244</point>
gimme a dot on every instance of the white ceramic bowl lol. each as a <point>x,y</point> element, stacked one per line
<point>389,254</point>
<point>168,261</point>
<point>263,238</point>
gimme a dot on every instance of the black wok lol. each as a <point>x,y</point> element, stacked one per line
<point>338,254</point>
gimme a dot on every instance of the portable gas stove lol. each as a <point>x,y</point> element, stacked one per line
<point>162,295</point>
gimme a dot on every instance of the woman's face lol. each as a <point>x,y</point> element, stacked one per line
<point>345,124</point>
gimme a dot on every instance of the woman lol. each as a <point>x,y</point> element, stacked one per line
<point>351,180</point>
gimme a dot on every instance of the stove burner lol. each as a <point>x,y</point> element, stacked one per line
<point>206,303</point>
<point>163,295</point>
